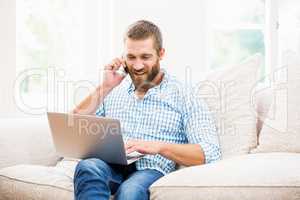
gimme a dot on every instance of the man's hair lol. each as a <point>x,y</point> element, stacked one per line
<point>144,29</point>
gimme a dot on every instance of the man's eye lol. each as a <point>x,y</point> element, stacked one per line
<point>130,57</point>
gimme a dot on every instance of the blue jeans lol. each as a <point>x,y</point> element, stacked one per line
<point>95,179</point>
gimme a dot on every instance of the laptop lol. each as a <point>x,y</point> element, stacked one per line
<point>89,136</point>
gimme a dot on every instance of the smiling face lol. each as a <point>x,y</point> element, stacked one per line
<point>142,60</point>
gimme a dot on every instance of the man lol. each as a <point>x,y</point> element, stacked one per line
<point>158,118</point>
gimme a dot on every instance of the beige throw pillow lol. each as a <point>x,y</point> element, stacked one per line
<point>228,95</point>
<point>281,129</point>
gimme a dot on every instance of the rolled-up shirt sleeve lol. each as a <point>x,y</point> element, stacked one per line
<point>200,128</point>
<point>100,110</point>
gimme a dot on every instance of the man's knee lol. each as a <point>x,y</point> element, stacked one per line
<point>91,166</point>
<point>132,191</point>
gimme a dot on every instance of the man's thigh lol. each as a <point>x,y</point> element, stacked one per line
<point>97,168</point>
<point>138,183</point>
<point>144,178</point>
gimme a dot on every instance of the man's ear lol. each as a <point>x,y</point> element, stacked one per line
<point>161,53</point>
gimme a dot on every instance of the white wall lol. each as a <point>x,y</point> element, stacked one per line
<point>7,55</point>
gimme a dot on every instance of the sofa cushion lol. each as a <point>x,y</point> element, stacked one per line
<point>35,182</point>
<point>228,95</point>
<point>281,129</point>
<point>253,176</point>
<point>38,182</point>
<point>26,141</point>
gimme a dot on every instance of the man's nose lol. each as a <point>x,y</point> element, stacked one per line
<point>138,66</point>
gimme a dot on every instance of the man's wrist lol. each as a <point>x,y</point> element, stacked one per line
<point>104,89</point>
<point>163,148</point>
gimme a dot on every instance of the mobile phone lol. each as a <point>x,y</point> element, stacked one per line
<point>122,70</point>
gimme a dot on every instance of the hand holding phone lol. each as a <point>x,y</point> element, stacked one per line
<point>122,71</point>
<point>114,73</point>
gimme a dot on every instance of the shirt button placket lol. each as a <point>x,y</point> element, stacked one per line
<point>139,117</point>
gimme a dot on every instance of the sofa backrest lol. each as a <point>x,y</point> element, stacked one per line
<point>26,140</point>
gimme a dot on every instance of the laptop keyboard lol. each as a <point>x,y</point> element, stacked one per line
<point>134,154</point>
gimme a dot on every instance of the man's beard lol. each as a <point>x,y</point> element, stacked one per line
<point>145,81</point>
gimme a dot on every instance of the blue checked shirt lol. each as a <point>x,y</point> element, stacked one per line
<point>169,113</point>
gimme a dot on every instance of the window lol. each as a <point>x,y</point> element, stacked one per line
<point>235,30</point>
<point>57,44</point>
<point>49,34</point>
<point>288,29</point>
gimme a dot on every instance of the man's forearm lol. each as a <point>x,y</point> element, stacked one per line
<point>183,154</point>
<point>90,104</point>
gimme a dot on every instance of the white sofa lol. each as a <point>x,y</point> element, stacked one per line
<point>30,169</point>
